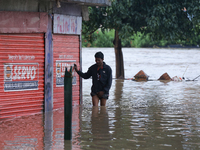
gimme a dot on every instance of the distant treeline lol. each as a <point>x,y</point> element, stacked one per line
<point>138,40</point>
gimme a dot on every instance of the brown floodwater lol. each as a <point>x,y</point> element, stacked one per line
<point>149,115</point>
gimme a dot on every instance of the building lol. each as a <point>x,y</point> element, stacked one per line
<point>38,39</point>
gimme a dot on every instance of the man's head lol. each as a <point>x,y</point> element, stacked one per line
<point>99,57</point>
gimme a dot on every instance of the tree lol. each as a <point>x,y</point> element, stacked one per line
<point>162,19</point>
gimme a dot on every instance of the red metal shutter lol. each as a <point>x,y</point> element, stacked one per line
<point>21,74</point>
<point>66,51</point>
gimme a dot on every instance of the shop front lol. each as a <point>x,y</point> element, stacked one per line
<point>66,53</point>
<point>38,40</point>
<point>22,58</point>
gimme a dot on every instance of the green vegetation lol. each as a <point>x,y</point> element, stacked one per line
<point>99,39</point>
<point>137,40</point>
<point>169,20</point>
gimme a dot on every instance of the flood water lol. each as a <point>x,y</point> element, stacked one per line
<point>149,115</point>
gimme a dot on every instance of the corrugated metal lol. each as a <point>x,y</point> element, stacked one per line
<point>21,74</point>
<point>66,51</point>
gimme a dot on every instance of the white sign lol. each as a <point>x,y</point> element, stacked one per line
<point>21,76</point>
<point>64,24</point>
<point>60,71</point>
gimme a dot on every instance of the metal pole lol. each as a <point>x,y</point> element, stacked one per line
<point>196,77</point>
<point>68,104</point>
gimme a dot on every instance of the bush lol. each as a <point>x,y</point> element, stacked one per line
<point>104,39</point>
<point>138,40</point>
<point>99,39</point>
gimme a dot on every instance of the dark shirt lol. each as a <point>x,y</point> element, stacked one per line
<point>101,78</point>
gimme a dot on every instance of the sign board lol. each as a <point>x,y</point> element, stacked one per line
<point>64,24</point>
<point>60,71</point>
<point>21,76</point>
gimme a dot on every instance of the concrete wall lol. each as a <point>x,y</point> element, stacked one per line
<point>23,22</point>
<point>68,7</point>
<point>19,5</point>
<point>90,2</point>
<point>40,6</point>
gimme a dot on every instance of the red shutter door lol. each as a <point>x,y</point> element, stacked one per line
<point>66,51</point>
<point>21,74</point>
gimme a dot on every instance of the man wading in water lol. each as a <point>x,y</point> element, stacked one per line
<point>101,79</point>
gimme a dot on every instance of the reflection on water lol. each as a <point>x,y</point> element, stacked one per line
<point>149,115</point>
<point>96,134</point>
<point>22,133</point>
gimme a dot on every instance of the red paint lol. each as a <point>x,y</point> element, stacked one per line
<point>66,51</point>
<point>23,22</point>
<point>21,74</point>
<point>22,133</point>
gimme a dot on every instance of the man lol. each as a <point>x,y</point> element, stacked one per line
<point>101,79</point>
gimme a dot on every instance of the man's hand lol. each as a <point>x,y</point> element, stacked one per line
<point>75,67</point>
<point>100,94</point>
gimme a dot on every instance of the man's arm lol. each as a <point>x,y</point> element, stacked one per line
<point>109,81</point>
<point>86,75</point>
